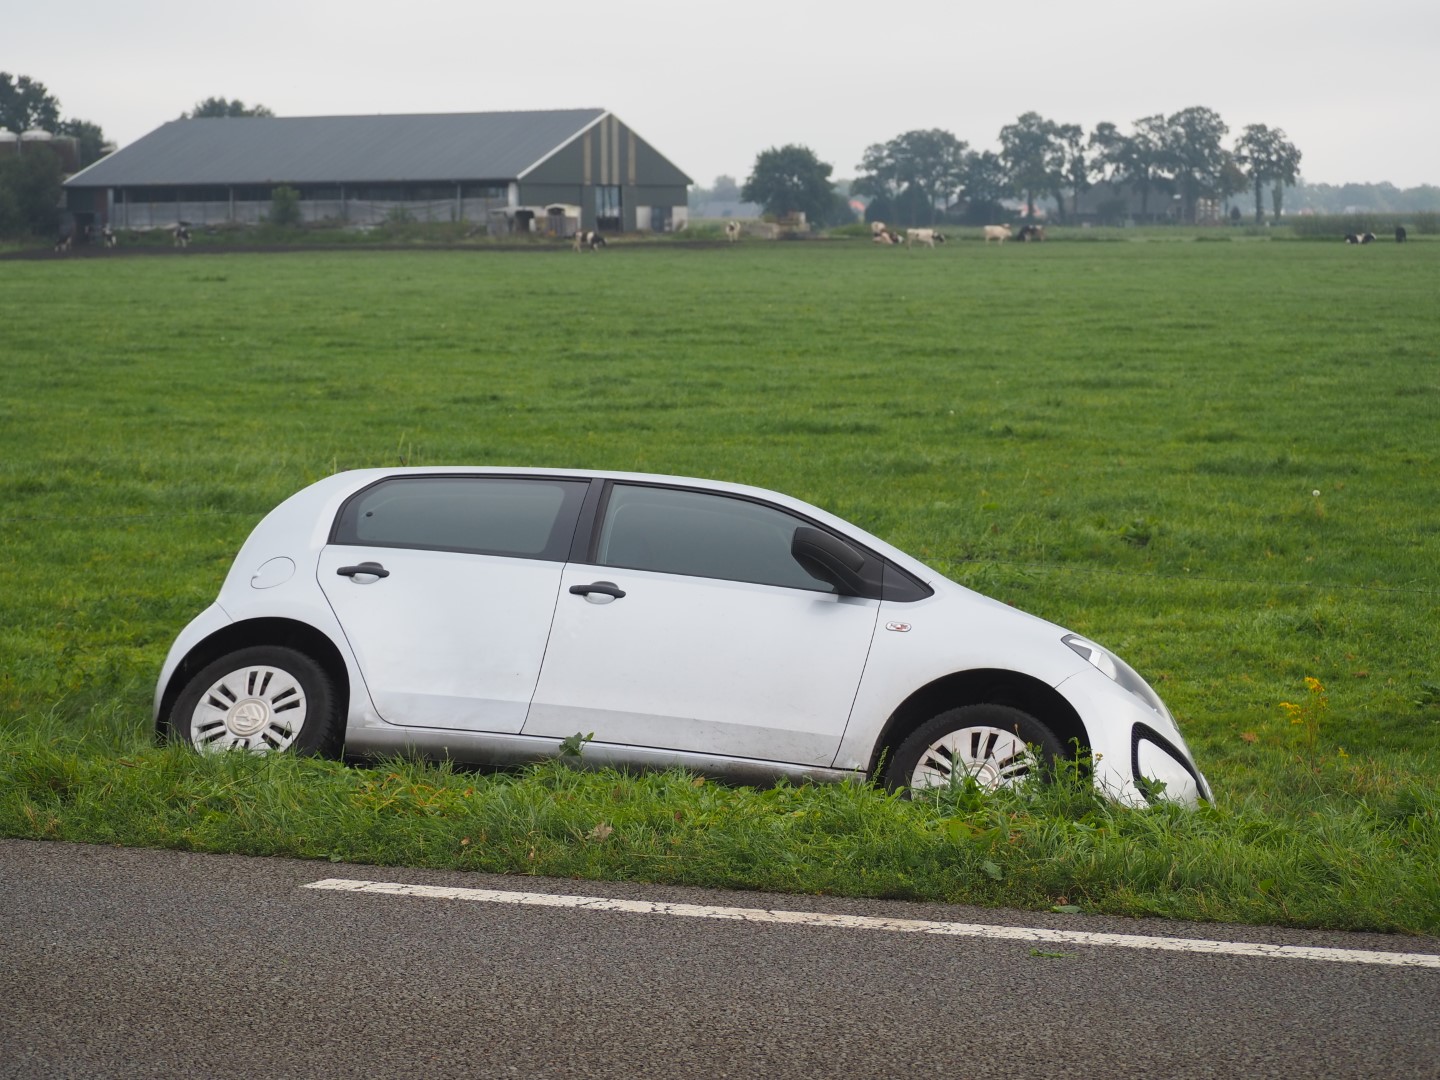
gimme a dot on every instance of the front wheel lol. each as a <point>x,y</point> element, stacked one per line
<point>997,746</point>
<point>261,699</point>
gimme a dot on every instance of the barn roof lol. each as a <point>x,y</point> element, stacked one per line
<point>341,149</point>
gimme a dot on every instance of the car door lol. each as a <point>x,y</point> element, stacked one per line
<point>694,629</point>
<point>445,587</point>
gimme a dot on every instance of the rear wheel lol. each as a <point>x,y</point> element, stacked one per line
<point>262,699</point>
<point>995,745</point>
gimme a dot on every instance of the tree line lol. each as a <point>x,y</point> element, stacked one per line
<point>31,171</point>
<point>920,177</point>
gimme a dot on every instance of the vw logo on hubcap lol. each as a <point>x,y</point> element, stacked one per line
<point>248,716</point>
<point>985,774</point>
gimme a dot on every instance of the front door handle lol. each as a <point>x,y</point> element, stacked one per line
<point>605,588</point>
<point>374,569</point>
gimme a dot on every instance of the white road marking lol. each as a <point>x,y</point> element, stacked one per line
<point>901,926</point>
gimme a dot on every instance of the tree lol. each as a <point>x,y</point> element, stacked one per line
<point>219,106</point>
<point>1268,157</point>
<point>1076,169</point>
<point>1195,156</point>
<point>30,189</point>
<point>25,104</point>
<point>30,192</point>
<point>89,139</point>
<point>917,169</point>
<point>1138,160</point>
<point>1031,151</point>
<point>985,182</point>
<point>788,180</point>
<point>725,189</point>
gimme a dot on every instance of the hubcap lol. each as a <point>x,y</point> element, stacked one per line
<point>257,708</point>
<point>993,757</point>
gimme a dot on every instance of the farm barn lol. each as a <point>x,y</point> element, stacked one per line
<point>545,171</point>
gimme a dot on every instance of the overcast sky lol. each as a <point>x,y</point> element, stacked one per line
<point>1354,86</point>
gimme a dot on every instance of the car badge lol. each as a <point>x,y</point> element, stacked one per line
<point>898,627</point>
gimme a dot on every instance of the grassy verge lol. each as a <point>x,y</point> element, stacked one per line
<point>1351,847</point>
<point>1217,458</point>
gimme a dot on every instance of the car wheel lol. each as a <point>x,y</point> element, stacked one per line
<point>262,699</point>
<point>996,745</point>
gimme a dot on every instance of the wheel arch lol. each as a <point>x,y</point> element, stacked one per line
<point>986,686</point>
<point>287,632</point>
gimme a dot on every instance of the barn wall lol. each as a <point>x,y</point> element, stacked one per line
<point>138,211</point>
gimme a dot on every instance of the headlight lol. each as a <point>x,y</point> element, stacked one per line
<point>1113,667</point>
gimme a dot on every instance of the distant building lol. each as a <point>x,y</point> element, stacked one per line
<point>1109,203</point>
<point>544,171</point>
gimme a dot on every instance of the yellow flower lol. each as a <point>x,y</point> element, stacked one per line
<point>1314,685</point>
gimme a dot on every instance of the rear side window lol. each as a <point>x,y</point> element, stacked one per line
<point>701,535</point>
<point>528,518</point>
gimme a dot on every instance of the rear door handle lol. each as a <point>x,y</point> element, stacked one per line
<point>607,588</point>
<point>374,569</point>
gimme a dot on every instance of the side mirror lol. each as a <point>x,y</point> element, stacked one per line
<point>829,559</point>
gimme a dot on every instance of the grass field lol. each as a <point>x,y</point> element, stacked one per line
<point>1220,459</point>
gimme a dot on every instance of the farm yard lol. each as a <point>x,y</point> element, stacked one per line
<point>1220,459</point>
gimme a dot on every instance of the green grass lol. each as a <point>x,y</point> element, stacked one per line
<point>1125,437</point>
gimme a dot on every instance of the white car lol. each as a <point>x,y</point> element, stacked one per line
<point>491,615</point>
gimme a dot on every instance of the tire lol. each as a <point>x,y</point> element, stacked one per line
<point>999,746</point>
<point>263,699</point>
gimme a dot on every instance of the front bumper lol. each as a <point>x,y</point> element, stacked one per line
<point>1138,754</point>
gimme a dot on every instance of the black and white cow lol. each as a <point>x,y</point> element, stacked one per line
<point>588,240</point>
<point>732,231</point>
<point>107,235</point>
<point>182,235</point>
<point>1360,238</point>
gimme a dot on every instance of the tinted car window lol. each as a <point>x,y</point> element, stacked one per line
<point>701,535</point>
<point>528,518</point>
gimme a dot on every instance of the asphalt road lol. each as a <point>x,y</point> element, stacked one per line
<point>131,963</point>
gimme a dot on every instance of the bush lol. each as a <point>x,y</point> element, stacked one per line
<point>284,206</point>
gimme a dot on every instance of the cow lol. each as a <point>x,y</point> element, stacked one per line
<point>996,232</point>
<point>588,240</point>
<point>732,231</point>
<point>1030,232</point>
<point>1360,238</point>
<point>62,243</point>
<point>182,235</point>
<point>928,237</point>
<point>1400,234</point>
<point>107,235</point>
<point>877,227</point>
<point>884,236</point>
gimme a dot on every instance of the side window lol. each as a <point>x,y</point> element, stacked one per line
<point>521,517</point>
<point>701,535</point>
